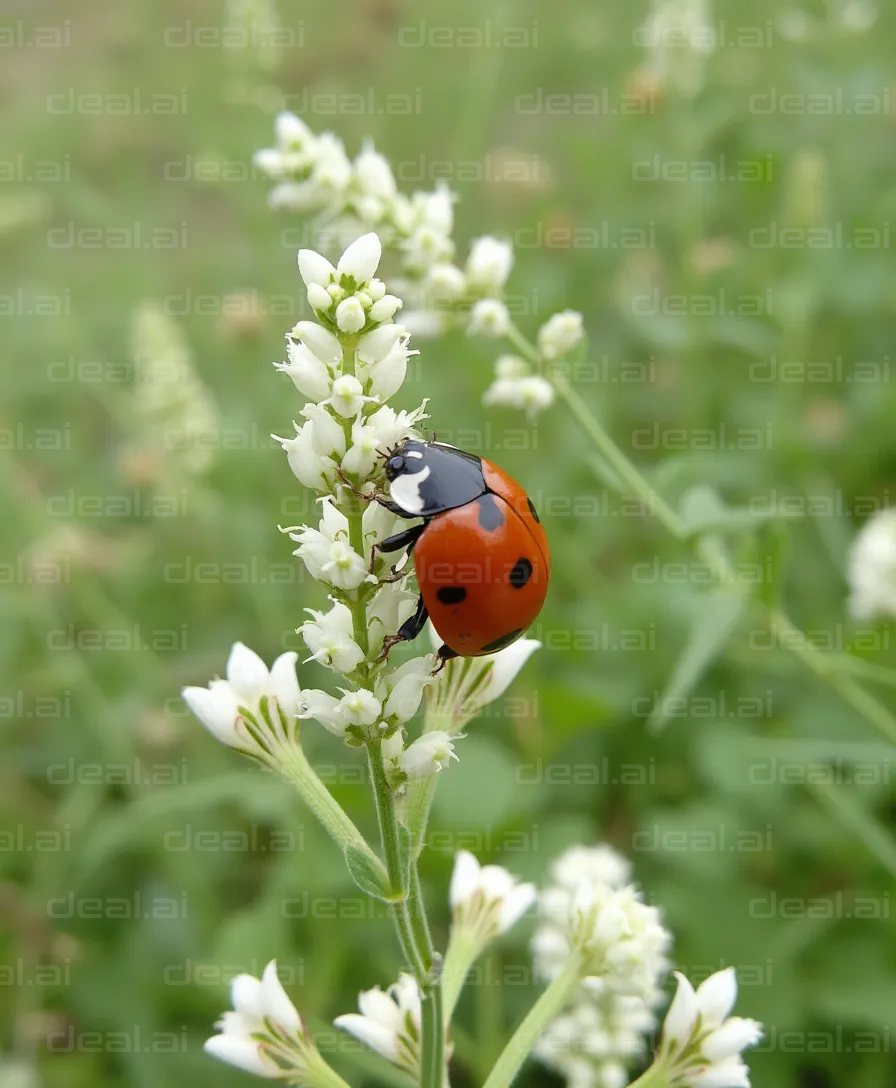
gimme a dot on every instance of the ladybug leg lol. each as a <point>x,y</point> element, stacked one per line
<point>406,539</point>
<point>408,630</point>
<point>445,654</point>
<point>391,506</point>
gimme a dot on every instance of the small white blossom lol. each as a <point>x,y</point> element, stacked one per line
<point>560,334</point>
<point>391,426</point>
<point>389,1023</point>
<point>445,281</point>
<point>489,317</point>
<point>361,259</point>
<point>872,569</point>
<point>319,298</point>
<point>265,1035</point>
<point>350,316</point>
<point>254,709</point>
<point>402,689</point>
<point>308,466</point>
<point>702,1042</point>
<point>325,709</point>
<point>315,269</point>
<point>385,308</point>
<point>347,398</point>
<point>486,900</point>
<point>327,435</point>
<point>378,343</point>
<point>489,264</point>
<point>360,707</point>
<point>319,341</point>
<point>531,393</point>
<point>330,638</point>
<point>427,755</point>
<point>465,686</point>
<point>309,374</point>
<point>361,457</point>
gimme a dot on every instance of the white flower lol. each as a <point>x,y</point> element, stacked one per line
<point>427,755</point>
<point>489,264</point>
<point>308,373</point>
<point>315,269</point>
<point>361,456</point>
<point>378,343</point>
<point>486,900</point>
<point>489,317</point>
<point>329,637</point>
<point>403,688</point>
<point>530,394</point>
<point>388,610</point>
<point>350,316</point>
<point>391,426</point>
<point>307,465</point>
<point>465,686</point>
<point>324,708</point>
<point>327,435</point>
<point>291,131</point>
<point>374,174</point>
<point>445,281</point>
<point>387,374</point>
<point>328,555</point>
<point>360,707</point>
<point>361,259</point>
<point>872,569</point>
<point>332,170</point>
<point>511,366</point>
<point>254,709</point>
<point>385,308</point>
<point>389,1023</point>
<point>265,1035</point>
<point>319,341</point>
<point>560,334</point>
<point>701,1042</point>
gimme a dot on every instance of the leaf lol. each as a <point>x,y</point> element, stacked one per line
<point>365,874</point>
<point>711,627</point>
<point>703,510</point>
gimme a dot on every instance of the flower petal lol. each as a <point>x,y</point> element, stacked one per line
<point>247,674</point>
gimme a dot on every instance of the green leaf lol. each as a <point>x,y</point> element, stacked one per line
<point>711,627</point>
<point>365,875</point>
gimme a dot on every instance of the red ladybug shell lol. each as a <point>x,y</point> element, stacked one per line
<point>483,567</point>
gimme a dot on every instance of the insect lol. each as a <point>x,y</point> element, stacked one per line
<point>480,553</point>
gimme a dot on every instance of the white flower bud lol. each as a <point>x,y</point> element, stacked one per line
<point>347,398</point>
<point>327,436</point>
<point>489,264</point>
<point>388,375</point>
<point>360,707</point>
<point>445,281</point>
<point>320,341</point>
<point>384,310</point>
<point>530,394</point>
<point>309,375</point>
<point>309,468</point>
<point>377,343</point>
<point>489,318</point>
<point>291,130</point>
<point>361,259</point>
<point>319,298</point>
<point>374,174</point>
<point>315,269</point>
<point>376,289</point>
<point>511,366</point>
<point>360,460</point>
<point>329,637</point>
<point>872,569</point>
<point>560,334</point>
<point>406,686</point>
<point>350,316</point>
<point>427,755</point>
<point>324,708</point>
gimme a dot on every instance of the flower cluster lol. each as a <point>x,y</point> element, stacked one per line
<point>592,912</point>
<point>389,1023</point>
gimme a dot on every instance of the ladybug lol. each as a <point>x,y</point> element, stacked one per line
<point>480,553</point>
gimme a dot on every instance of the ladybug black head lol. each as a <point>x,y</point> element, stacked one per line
<point>404,459</point>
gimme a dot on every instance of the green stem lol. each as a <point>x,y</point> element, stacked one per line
<point>545,1009</point>
<point>459,958</point>
<point>420,792</point>
<point>866,705</point>
<point>296,769</point>
<point>385,811</point>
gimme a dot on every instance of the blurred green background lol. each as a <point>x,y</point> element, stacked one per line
<point>143,864</point>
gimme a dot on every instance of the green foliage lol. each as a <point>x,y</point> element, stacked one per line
<point>143,865</point>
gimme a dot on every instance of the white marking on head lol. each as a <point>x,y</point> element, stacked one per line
<point>414,453</point>
<point>405,490</point>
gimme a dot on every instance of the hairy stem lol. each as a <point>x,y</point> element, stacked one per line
<point>545,1009</point>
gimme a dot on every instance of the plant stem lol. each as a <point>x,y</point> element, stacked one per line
<point>537,1019</point>
<point>654,1076</point>
<point>829,671</point>
<point>411,924</point>
<point>297,770</point>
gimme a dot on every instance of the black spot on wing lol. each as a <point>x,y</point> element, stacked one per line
<point>532,509</point>
<point>452,594</point>
<point>490,513</point>
<point>500,643</point>
<point>521,572</point>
